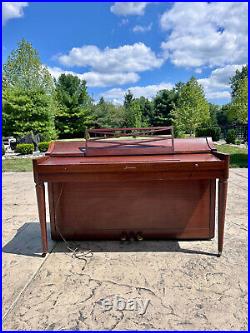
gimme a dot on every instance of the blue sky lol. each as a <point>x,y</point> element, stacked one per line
<point>141,46</point>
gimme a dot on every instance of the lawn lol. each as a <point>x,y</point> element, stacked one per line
<point>238,156</point>
<point>17,165</point>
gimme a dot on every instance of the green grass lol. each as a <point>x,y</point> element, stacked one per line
<point>238,156</point>
<point>17,165</point>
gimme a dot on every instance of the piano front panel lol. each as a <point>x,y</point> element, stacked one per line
<point>156,209</point>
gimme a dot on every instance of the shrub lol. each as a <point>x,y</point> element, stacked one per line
<point>181,135</point>
<point>214,132</point>
<point>3,149</point>
<point>43,146</point>
<point>231,136</point>
<point>177,133</point>
<point>237,142</point>
<point>24,148</point>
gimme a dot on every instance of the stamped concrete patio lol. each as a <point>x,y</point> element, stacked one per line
<point>188,288</point>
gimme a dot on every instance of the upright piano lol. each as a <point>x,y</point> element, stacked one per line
<point>128,183</point>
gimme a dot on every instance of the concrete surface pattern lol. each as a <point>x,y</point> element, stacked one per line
<point>187,287</point>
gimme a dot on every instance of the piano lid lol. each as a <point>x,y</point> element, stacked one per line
<point>130,141</point>
<point>181,146</point>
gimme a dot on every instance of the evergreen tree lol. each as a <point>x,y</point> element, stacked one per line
<point>132,111</point>
<point>147,111</point>
<point>74,113</point>
<point>164,103</point>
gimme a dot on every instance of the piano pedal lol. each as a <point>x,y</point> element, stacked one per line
<point>139,237</point>
<point>132,237</point>
<point>123,237</point>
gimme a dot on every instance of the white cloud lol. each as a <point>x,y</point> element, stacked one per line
<point>95,79</point>
<point>140,28</point>
<point>217,85</point>
<point>116,95</point>
<point>127,58</point>
<point>111,66</point>
<point>129,8</point>
<point>12,10</point>
<point>206,34</point>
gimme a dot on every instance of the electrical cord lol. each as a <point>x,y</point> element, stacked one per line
<point>77,252</point>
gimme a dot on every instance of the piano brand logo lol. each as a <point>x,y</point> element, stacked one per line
<point>121,304</point>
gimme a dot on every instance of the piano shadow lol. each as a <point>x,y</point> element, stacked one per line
<point>27,242</point>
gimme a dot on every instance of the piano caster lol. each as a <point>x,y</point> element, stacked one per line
<point>219,254</point>
<point>44,254</point>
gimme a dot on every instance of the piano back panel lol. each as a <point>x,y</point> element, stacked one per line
<point>158,209</point>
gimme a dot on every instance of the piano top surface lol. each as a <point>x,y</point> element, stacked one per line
<point>131,159</point>
<point>186,150</point>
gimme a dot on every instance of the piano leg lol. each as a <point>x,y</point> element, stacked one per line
<point>40,193</point>
<point>221,213</point>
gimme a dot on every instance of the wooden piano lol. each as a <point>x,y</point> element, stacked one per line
<point>129,183</point>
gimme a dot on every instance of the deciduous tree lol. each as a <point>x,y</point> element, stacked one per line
<point>235,81</point>
<point>24,70</point>
<point>192,109</point>
<point>28,88</point>
<point>239,105</point>
<point>107,114</point>
<point>28,111</point>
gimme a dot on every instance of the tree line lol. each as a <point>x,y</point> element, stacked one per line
<point>35,102</point>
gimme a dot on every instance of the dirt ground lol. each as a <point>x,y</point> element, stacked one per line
<point>185,286</point>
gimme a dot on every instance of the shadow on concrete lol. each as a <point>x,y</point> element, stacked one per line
<point>27,242</point>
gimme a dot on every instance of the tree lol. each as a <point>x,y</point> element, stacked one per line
<point>128,98</point>
<point>164,103</point>
<point>28,87</point>
<point>74,107</point>
<point>235,81</point>
<point>239,105</point>
<point>192,109</point>
<point>147,111</point>
<point>108,115</point>
<point>24,70</point>
<point>222,115</point>
<point>27,111</point>
<point>213,111</point>
<point>132,111</point>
